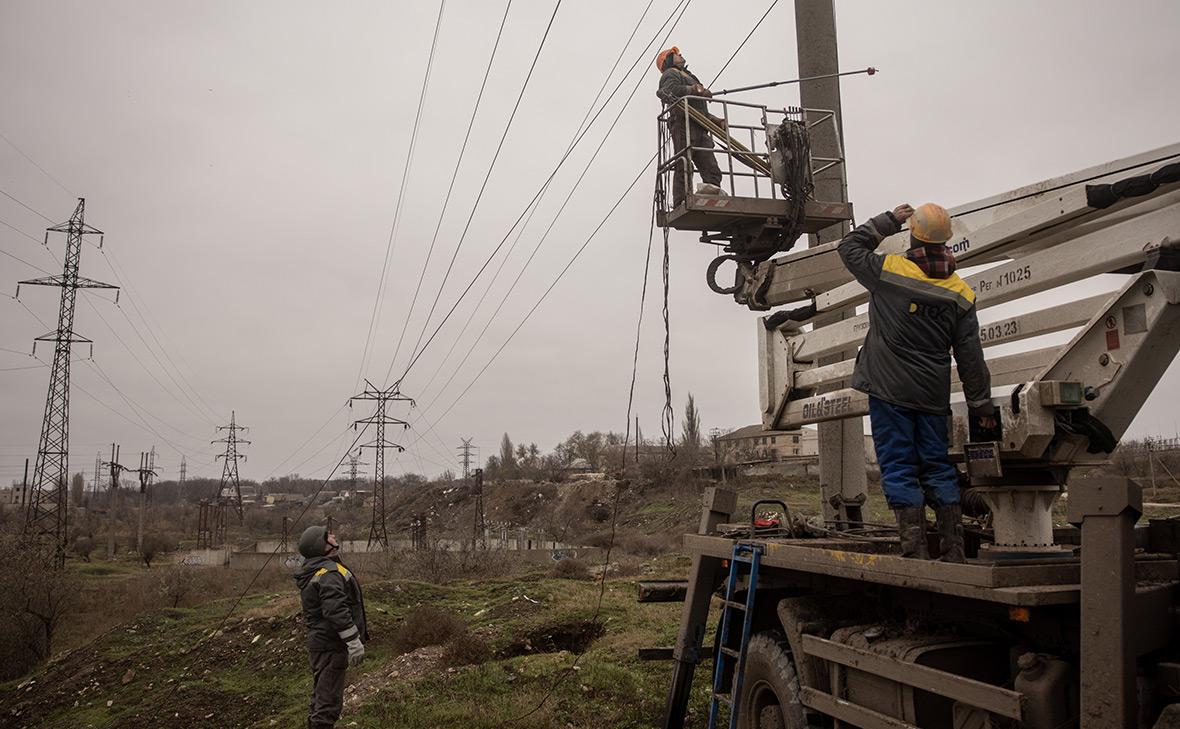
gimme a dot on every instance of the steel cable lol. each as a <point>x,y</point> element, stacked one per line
<point>376,314</point>
<point>451,185</point>
<point>482,189</point>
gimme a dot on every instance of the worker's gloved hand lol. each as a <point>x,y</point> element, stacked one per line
<point>903,212</point>
<point>356,652</point>
<point>988,422</point>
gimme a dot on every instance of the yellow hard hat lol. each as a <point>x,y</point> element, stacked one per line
<point>931,224</point>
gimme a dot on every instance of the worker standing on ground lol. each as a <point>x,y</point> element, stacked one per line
<point>676,82</point>
<point>334,613</point>
<point>919,312</point>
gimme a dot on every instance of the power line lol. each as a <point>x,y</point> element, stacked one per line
<point>376,314</point>
<point>18,230</point>
<point>547,291</point>
<point>568,197</point>
<point>39,167</point>
<point>451,185</point>
<point>269,557</point>
<point>619,487</point>
<point>483,186</point>
<point>496,250</point>
<point>110,261</point>
<point>33,266</point>
<point>143,366</point>
<point>537,204</point>
<point>26,207</point>
<point>304,444</point>
<point>102,373</point>
<point>578,253</point>
<point>132,296</point>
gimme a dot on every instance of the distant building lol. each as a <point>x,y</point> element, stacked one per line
<point>278,498</point>
<point>15,494</point>
<point>755,444</point>
<point>579,465</point>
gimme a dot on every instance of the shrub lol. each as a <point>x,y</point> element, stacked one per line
<point>466,649</point>
<point>83,546</point>
<point>571,569</point>
<point>427,625</point>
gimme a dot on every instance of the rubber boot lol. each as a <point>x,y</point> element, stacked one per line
<point>911,526</point>
<point>950,533</point>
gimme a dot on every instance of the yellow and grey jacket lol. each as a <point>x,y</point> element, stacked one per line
<point>333,606</point>
<point>915,322</point>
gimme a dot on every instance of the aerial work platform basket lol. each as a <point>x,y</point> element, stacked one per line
<point>764,200</point>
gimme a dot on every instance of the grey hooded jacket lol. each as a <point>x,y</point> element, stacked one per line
<point>915,322</point>
<point>333,606</point>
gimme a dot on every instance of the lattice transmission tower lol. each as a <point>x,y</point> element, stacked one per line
<point>45,518</point>
<point>467,453</point>
<point>354,464</point>
<point>378,533</point>
<point>230,489</point>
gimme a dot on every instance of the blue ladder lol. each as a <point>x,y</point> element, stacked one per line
<point>743,554</point>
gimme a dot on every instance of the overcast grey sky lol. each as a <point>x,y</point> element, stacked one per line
<point>244,160</point>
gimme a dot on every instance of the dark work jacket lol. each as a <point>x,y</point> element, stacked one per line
<point>915,322</point>
<point>676,83</point>
<point>333,607</point>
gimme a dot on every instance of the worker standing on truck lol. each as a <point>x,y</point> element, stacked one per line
<point>334,613</point>
<point>919,312</point>
<point>676,82</point>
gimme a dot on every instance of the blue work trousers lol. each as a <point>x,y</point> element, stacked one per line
<point>912,453</point>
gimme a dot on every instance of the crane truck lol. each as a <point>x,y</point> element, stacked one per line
<point>1051,623</point>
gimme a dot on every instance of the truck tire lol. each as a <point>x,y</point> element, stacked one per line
<point>770,688</point>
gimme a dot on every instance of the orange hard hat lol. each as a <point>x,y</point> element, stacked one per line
<point>663,56</point>
<point>931,224</point>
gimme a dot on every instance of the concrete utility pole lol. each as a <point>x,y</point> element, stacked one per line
<point>147,469</point>
<point>841,442</point>
<point>479,530</point>
<point>113,498</point>
<point>378,534</point>
<point>45,521</point>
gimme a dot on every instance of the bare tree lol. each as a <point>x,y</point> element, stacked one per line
<point>37,600</point>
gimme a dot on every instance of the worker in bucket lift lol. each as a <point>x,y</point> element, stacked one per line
<point>676,82</point>
<point>334,614</point>
<point>919,312</point>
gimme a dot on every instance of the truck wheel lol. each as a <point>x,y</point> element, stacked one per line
<point>770,689</point>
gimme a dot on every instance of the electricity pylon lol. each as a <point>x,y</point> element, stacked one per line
<point>465,452</point>
<point>180,483</point>
<point>230,487</point>
<point>377,530</point>
<point>354,464</point>
<point>146,470</point>
<point>45,519</point>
